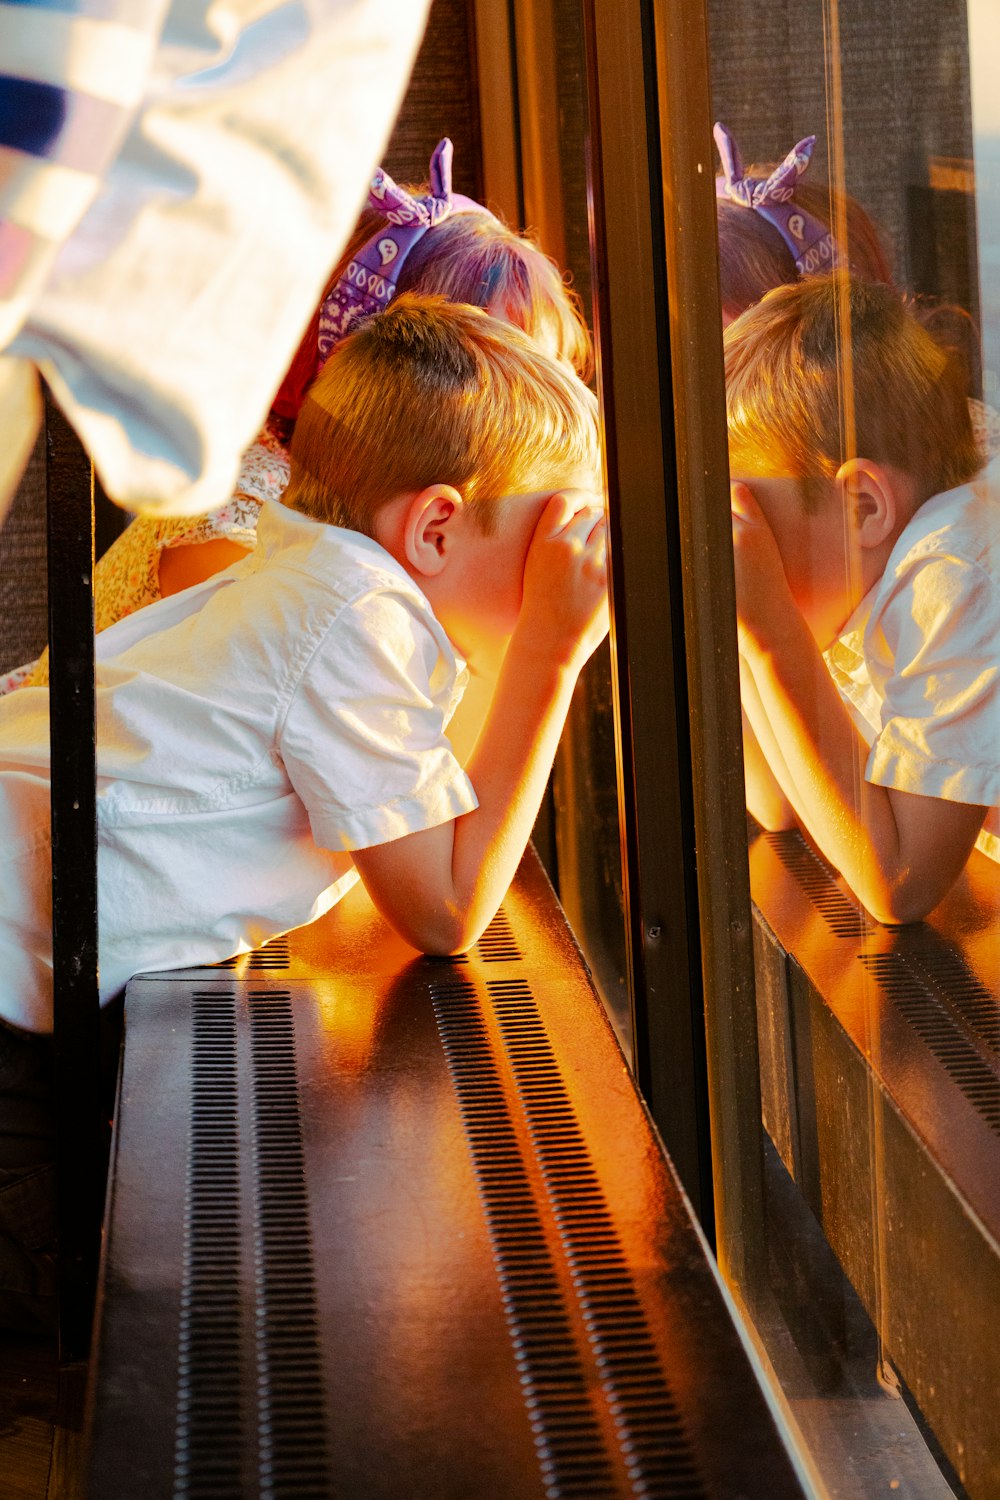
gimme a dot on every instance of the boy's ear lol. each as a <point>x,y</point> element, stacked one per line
<point>871,503</point>
<point>430,525</point>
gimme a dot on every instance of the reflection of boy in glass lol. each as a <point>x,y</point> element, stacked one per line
<point>868,593</point>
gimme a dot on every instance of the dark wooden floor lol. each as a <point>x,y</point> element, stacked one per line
<point>41,1412</point>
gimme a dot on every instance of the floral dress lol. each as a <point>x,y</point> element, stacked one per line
<point>127,577</point>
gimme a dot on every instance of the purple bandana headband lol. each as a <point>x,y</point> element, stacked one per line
<point>812,244</point>
<point>369,282</point>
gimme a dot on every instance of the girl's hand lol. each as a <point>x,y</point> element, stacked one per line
<point>763,598</point>
<point>564,609</point>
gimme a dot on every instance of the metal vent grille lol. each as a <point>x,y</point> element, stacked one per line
<point>659,1456</point>
<point>568,1439</point>
<point>654,1448</point>
<point>818,880</point>
<point>498,944</point>
<point>274,955</point>
<point>209,1447</point>
<point>290,1401</point>
<point>213,1439</point>
<point>946,972</point>
<point>915,998</point>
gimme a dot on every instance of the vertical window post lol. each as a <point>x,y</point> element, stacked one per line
<point>80,1150</point>
<point>687,167</point>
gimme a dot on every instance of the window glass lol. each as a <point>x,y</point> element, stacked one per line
<point>859,244</point>
<point>586,854</point>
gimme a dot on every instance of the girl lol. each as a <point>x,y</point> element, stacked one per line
<point>774,227</point>
<point>426,240</point>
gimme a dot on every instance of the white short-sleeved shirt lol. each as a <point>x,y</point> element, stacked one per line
<point>252,731</point>
<point>918,663</point>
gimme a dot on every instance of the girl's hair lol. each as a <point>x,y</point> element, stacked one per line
<point>437,392</point>
<point>955,330</point>
<point>784,360</point>
<point>753,257</point>
<point>469,257</point>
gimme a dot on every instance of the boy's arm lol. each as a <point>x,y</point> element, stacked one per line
<point>439,888</point>
<point>766,800</point>
<point>899,852</point>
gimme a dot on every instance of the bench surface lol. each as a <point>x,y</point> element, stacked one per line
<point>387,1226</point>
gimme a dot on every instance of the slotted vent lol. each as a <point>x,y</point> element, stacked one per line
<point>498,944</point>
<point>947,973</point>
<point>658,1453</point>
<point>291,1407</point>
<point>274,955</point>
<point>568,1439</point>
<point>914,997</point>
<point>818,880</point>
<point>209,1432</point>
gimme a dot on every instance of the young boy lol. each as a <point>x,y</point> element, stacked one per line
<point>868,597</point>
<point>269,735</point>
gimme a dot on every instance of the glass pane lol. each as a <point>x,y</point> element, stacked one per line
<point>860,288</point>
<point>552,83</point>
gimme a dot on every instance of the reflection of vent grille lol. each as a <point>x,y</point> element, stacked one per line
<point>568,1436</point>
<point>273,955</point>
<point>916,1000</point>
<point>818,880</point>
<point>498,944</point>
<point>209,1436</point>
<point>953,982</point>
<point>652,1436</point>
<point>293,1455</point>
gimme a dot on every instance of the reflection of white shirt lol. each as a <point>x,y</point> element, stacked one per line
<point>918,663</point>
<point>251,732</point>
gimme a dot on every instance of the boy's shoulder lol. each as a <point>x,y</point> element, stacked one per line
<point>344,562</point>
<point>962,525</point>
<point>348,589</point>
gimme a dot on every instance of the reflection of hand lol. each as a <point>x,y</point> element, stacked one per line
<point>763,598</point>
<point>564,613</point>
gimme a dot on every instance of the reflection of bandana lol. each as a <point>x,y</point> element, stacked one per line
<point>369,282</point>
<point>812,244</point>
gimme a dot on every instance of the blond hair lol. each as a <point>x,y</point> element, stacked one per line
<point>432,391</point>
<point>786,358</point>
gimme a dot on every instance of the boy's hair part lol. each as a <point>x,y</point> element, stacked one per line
<point>429,392</point>
<point>787,360</point>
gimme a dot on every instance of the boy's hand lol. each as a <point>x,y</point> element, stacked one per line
<point>763,598</point>
<point>564,609</point>
<point>441,886</point>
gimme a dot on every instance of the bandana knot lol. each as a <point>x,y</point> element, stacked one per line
<point>370,281</point>
<point>811,242</point>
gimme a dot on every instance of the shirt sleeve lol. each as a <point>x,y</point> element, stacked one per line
<point>363,740</point>
<point>940,686</point>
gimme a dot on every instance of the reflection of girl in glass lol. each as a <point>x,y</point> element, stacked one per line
<point>774,227</point>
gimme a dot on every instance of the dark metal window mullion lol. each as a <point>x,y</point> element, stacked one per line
<point>655,774</point>
<point>704,537</point>
<point>80,1129</point>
